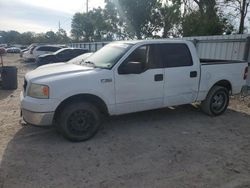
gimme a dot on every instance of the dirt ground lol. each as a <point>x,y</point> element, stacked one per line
<point>168,148</point>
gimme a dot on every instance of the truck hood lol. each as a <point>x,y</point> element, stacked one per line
<point>55,69</point>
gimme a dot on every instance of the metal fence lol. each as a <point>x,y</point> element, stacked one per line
<point>225,47</point>
<point>91,46</point>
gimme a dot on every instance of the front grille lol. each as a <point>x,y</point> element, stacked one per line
<point>25,85</point>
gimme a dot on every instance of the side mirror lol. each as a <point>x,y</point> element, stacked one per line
<point>131,68</point>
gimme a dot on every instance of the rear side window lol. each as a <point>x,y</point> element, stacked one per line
<point>43,48</point>
<point>175,55</point>
<point>65,53</point>
<point>77,52</point>
<point>53,49</point>
<point>48,48</point>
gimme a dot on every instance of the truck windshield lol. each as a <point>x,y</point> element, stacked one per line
<point>109,55</point>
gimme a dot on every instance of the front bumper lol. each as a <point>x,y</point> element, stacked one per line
<point>28,57</point>
<point>37,118</point>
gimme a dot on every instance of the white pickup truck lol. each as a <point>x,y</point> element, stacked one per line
<point>125,77</point>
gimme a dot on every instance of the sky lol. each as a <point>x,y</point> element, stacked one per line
<point>41,15</point>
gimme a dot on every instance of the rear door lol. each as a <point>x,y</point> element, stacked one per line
<point>181,74</point>
<point>137,92</point>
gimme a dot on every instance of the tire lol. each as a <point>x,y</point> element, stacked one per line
<point>216,101</point>
<point>79,121</point>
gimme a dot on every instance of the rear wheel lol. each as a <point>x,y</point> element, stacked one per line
<point>79,121</point>
<point>216,101</point>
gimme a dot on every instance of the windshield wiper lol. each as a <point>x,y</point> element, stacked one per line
<point>89,63</point>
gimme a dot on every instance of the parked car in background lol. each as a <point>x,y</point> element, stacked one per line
<point>23,47</point>
<point>13,50</point>
<point>26,49</point>
<point>62,55</point>
<point>80,59</point>
<point>3,45</point>
<point>37,50</point>
<point>2,51</point>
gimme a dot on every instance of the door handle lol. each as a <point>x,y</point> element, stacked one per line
<point>158,77</point>
<point>193,74</point>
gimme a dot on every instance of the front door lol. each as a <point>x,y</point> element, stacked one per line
<point>142,91</point>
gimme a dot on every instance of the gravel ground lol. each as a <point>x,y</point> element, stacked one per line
<point>175,148</point>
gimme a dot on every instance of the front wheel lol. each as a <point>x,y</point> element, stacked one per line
<point>79,121</point>
<point>216,101</point>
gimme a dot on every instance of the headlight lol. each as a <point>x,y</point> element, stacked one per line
<point>38,91</point>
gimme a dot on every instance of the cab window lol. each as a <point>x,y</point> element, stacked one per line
<point>175,55</point>
<point>147,55</point>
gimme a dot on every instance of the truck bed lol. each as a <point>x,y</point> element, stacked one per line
<point>213,71</point>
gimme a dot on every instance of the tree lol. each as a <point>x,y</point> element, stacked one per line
<point>96,25</point>
<point>171,18</point>
<point>100,26</point>
<point>196,24</point>
<point>137,16</point>
<point>11,37</point>
<point>111,17</point>
<point>82,27</point>
<point>62,36</point>
<point>240,10</point>
<point>40,38</point>
<point>207,20</point>
<point>27,38</point>
<point>50,37</point>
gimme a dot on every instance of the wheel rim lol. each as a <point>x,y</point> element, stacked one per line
<point>81,122</point>
<point>219,102</point>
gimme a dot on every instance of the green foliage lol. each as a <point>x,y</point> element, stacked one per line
<point>96,25</point>
<point>10,37</point>
<point>62,36</point>
<point>114,24</point>
<point>81,27</point>
<point>50,36</point>
<point>240,11</point>
<point>100,25</point>
<point>171,18</point>
<point>205,21</point>
<point>138,16</point>
<point>26,38</point>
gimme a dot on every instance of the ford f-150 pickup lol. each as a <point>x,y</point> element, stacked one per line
<point>125,77</point>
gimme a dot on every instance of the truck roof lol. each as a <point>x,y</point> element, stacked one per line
<point>154,41</point>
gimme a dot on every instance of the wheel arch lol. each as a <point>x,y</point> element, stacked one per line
<point>93,99</point>
<point>223,83</point>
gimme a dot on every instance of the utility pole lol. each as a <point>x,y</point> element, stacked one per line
<point>87,6</point>
<point>59,26</point>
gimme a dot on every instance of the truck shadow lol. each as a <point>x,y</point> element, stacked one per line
<point>133,149</point>
<point>29,65</point>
